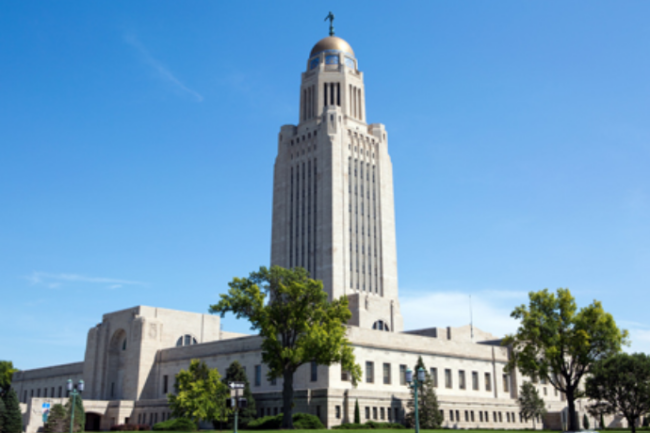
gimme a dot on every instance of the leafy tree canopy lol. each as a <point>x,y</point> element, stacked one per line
<point>557,342</point>
<point>296,321</point>
<point>7,371</point>
<point>200,394</point>
<point>620,384</point>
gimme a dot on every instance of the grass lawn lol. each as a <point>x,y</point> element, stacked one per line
<point>377,431</point>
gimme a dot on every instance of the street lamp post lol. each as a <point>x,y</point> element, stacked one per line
<point>73,389</point>
<point>415,384</point>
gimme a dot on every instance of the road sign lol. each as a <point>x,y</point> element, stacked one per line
<point>236,385</point>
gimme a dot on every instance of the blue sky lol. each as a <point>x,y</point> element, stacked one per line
<point>137,142</point>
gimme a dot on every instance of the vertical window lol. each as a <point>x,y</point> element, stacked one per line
<point>457,416</point>
<point>480,416</point>
<point>370,373</point>
<point>475,380</point>
<point>314,371</point>
<point>381,413</point>
<point>472,415</point>
<point>374,413</point>
<point>386,375</point>
<point>274,381</point>
<point>45,392</point>
<point>38,392</point>
<point>25,397</point>
<point>500,417</point>
<point>488,382</point>
<point>60,392</point>
<point>402,374</point>
<point>506,383</point>
<point>545,391</point>
<point>448,381</point>
<point>396,414</point>
<point>367,412</point>
<point>345,375</point>
<point>508,416</point>
<point>165,383</point>
<point>461,379</point>
<point>451,415</point>
<point>258,375</point>
<point>318,411</point>
<point>337,410</point>
<point>466,416</point>
<point>112,389</point>
<point>434,376</point>
<point>442,414</point>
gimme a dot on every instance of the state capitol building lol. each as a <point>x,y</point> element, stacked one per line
<point>333,214</point>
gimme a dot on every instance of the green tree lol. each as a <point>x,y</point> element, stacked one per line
<point>13,420</point>
<point>236,373</point>
<point>56,420</point>
<point>3,410</point>
<point>621,384</point>
<point>585,422</point>
<point>531,405</point>
<point>7,371</point>
<point>357,413</point>
<point>428,409</point>
<point>79,413</point>
<point>556,342</point>
<point>297,325</point>
<point>199,394</point>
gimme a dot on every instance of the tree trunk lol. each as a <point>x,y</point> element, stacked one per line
<point>571,405</point>
<point>632,424</point>
<point>287,400</point>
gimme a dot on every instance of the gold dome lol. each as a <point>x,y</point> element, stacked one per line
<point>331,43</point>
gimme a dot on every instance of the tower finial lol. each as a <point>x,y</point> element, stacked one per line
<point>330,17</point>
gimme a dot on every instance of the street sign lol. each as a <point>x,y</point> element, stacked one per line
<point>236,385</point>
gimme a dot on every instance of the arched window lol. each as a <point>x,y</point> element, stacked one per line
<point>185,340</point>
<point>380,325</point>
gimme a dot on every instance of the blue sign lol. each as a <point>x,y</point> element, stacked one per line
<point>45,408</point>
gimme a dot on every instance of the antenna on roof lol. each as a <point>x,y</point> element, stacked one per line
<point>471,319</point>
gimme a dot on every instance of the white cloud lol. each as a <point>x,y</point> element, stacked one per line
<point>490,310</point>
<point>640,340</point>
<point>55,280</point>
<point>164,73</point>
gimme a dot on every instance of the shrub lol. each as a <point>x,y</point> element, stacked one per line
<point>176,424</point>
<point>56,420</point>
<point>585,422</point>
<point>351,426</point>
<point>305,421</point>
<point>370,425</point>
<point>302,421</point>
<point>131,427</point>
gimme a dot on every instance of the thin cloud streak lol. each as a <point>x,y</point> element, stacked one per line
<point>164,73</point>
<point>55,280</point>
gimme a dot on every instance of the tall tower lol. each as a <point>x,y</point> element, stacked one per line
<point>333,208</point>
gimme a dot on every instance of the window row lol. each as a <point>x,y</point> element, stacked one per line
<point>483,416</point>
<point>52,394</point>
<point>433,375</point>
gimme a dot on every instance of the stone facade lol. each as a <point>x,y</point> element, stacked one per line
<point>333,214</point>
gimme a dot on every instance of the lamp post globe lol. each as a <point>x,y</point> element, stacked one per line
<point>409,376</point>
